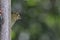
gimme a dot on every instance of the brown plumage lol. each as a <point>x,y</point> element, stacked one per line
<point>14,17</point>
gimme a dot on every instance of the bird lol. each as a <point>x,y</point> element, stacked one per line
<point>14,17</point>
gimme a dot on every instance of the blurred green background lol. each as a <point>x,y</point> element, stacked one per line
<point>40,20</point>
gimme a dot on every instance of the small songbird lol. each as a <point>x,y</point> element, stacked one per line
<point>14,17</point>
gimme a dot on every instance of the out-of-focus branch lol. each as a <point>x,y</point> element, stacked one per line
<point>6,14</point>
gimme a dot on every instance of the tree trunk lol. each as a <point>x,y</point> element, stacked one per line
<point>6,14</point>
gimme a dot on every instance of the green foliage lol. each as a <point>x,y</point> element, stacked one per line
<point>33,13</point>
<point>58,21</point>
<point>32,2</point>
<point>13,34</point>
<point>35,28</point>
<point>50,21</point>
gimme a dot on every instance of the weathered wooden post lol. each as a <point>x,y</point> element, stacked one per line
<point>6,14</point>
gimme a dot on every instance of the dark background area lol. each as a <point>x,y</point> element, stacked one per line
<point>40,20</point>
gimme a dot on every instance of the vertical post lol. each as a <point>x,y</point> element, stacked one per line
<point>6,13</point>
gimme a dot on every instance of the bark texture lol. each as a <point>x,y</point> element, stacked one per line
<point>6,14</point>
